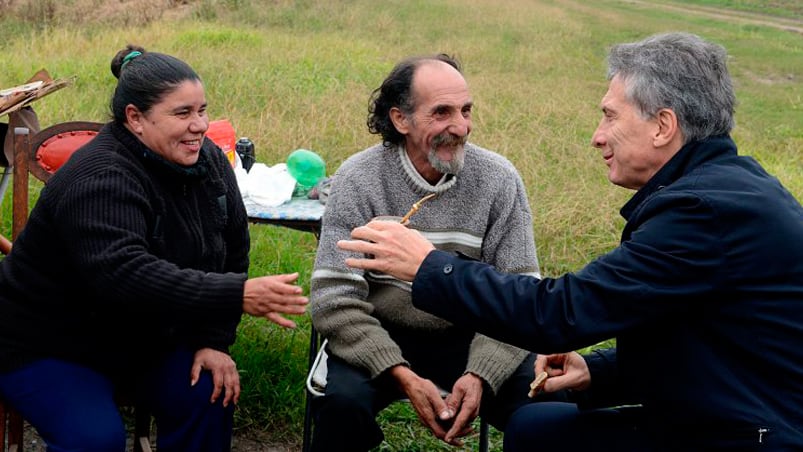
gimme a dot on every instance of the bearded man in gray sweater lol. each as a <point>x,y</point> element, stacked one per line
<point>380,347</point>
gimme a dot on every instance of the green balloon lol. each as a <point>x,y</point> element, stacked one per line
<point>306,167</point>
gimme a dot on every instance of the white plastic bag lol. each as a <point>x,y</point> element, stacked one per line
<point>264,185</point>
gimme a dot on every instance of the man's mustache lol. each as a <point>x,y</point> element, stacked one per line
<point>448,139</point>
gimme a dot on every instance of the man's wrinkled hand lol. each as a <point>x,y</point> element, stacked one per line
<point>425,397</point>
<point>464,401</point>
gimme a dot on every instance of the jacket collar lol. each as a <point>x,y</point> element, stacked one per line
<point>690,156</point>
<point>152,159</point>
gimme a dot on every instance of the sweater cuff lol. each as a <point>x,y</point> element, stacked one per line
<point>375,360</point>
<point>496,367</point>
<point>379,362</point>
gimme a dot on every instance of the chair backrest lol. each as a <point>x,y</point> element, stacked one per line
<point>51,147</point>
<point>42,154</point>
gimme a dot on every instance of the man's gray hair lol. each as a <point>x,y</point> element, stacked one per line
<point>682,72</point>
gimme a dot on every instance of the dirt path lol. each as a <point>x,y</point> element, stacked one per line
<point>742,17</point>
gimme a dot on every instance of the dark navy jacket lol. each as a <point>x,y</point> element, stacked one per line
<point>704,296</point>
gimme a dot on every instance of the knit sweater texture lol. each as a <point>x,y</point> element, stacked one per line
<point>124,255</point>
<point>483,213</point>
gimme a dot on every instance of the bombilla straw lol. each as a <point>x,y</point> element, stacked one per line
<point>417,206</point>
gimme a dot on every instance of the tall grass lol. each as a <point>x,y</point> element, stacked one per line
<point>297,74</point>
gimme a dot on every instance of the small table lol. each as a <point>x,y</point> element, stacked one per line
<point>305,215</point>
<point>301,214</point>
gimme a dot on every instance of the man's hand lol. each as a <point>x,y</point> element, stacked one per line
<point>271,296</point>
<point>396,249</point>
<point>565,370</point>
<point>464,400</point>
<point>425,398</point>
<point>225,377</point>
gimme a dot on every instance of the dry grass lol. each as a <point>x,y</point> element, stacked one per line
<point>83,12</point>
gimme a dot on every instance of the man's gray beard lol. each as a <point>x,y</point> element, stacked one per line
<point>453,166</point>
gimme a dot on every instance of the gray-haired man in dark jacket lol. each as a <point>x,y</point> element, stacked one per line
<point>704,294</point>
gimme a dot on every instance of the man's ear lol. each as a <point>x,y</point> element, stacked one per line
<point>668,128</point>
<point>135,118</point>
<point>399,120</point>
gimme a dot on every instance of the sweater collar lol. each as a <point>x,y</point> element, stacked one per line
<point>152,159</point>
<point>414,177</point>
<point>691,156</point>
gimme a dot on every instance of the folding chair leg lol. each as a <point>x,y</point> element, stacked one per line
<point>483,435</point>
<point>313,351</point>
<point>307,423</point>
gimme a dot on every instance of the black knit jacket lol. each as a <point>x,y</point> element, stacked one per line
<point>126,255</point>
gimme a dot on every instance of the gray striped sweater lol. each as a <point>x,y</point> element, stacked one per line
<point>483,212</point>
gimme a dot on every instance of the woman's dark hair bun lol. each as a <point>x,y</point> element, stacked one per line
<point>118,60</point>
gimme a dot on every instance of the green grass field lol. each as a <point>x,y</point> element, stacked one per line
<point>298,74</point>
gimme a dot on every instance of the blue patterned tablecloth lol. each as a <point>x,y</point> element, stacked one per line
<point>301,209</point>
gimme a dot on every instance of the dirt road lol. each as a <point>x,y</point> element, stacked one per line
<point>741,17</point>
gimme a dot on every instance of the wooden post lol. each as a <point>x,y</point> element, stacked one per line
<point>22,143</point>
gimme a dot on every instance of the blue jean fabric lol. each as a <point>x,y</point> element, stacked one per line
<point>73,407</point>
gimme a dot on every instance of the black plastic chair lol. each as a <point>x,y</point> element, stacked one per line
<point>316,385</point>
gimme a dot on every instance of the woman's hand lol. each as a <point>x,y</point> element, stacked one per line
<point>271,296</point>
<point>225,377</point>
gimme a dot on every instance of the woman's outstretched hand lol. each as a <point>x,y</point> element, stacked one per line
<point>272,296</point>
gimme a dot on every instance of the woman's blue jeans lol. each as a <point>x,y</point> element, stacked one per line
<point>73,407</point>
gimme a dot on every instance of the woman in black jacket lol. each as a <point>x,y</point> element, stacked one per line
<point>132,272</point>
